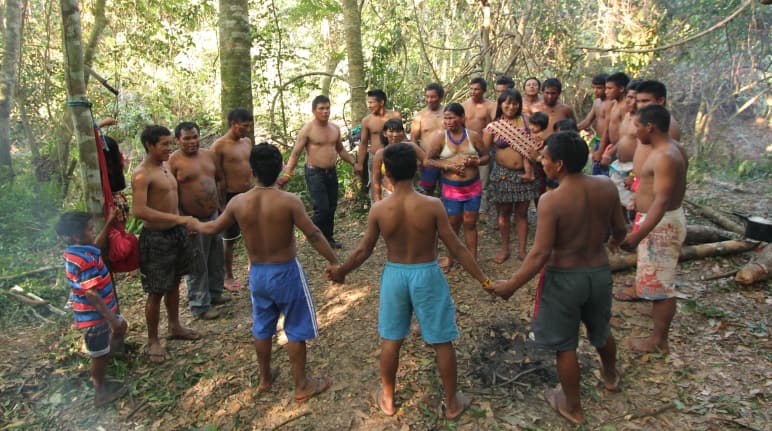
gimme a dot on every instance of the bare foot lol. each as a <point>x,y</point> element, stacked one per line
<point>313,387</point>
<point>647,345</point>
<point>382,406</point>
<point>462,403</point>
<point>501,257</point>
<point>446,264</point>
<point>266,386</point>
<point>612,383</point>
<point>109,392</point>
<point>231,284</point>
<point>183,333</point>
<point>156,353</point>
<point>557,400</point>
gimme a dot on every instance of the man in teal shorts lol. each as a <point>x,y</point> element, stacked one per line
<point>576,283</point>
<point>412,280</point>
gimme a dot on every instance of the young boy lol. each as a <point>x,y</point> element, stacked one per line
<point>94,304</point>
<point>410,224</point>
<point>268,217</point>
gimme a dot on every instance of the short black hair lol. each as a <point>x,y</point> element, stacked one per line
<point>185,125</point>
<point>599,79</point>
<point>540,119</point>
<point>570,148</point>
<point>240,115</point>
<point>401,161</point>
<point>152,134</point>
<point>71,225</point>
<point>455,108</point>
<point>530,78</point>
<point>550,83</point>
<point>620,79</point>
<point>655,88</point>
<point>436,87</point>
<point>480,80</point>
<point>266,163</point>
<point>505,80</point>
<point>633,84</point>
<point>319,99</point>
<point>565,125</point>
<point>378,94</point>
<point>655,114</point>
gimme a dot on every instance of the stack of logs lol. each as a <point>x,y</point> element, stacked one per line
<point>705,241</point>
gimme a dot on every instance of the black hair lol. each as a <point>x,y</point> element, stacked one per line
<point>530,78</point>
<point>480,80</point>
<point>455,108</point>
<point>185,125</point>
<point>378,94</point>
<point>114,161</point>
<point>319,99</point>
<point>152,134</point>
<point>599,79</point>
<point>552,82</point>
<point>655,88</point>
<point>633,84</point>
<point>540,119</point>
<point>620,79</point>
<point>508,94</point>
<point>570,148</point>
<point>266,163</point>
<point>505,80</point>
<point>391,124</point>
<point>240,115</point>
<point>655,114</point>
<point>401,161</point>
<point>71,225</point>
<point>565,125</point>
<point>436,88</point>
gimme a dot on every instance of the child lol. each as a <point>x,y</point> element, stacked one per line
<point>410,224</point>
<point>393,132</point>
<point>268,217</point>
<point>537,122</point>
<point>94,304</point>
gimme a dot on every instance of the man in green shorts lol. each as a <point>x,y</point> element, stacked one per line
<point>576,284</point>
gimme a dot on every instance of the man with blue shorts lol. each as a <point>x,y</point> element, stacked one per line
<point>412,280</point>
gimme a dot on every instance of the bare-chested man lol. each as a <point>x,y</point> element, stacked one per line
<point>531,98</point>
<point>426,123</point>
<point>232,155</point>
<point>477,111</point>
<point>195,170</point>
<point>615,95</point>
<point>555,110</point>
<point>660,225</point>
<point>322,142</point>
<point>576,283</point>
<point>599,92</point>
<point>372,125</point>
<point>624,148</point>
<point>165,251</point>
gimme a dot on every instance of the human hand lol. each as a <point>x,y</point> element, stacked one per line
<point>107,121</point>
<point>334,274</point>
<point>596,156</point>
<point>120,327</point>
<point>501,289</point>
<point>628,182</point>
<point>112,216</point>
<point>527,177</point>
<point>605,161</point>
<point>358,169</point>
<point>191,224</point>
<point>282,181</point>
<point>472,161</point>
<point>630,243</point>
<point>613,245</point>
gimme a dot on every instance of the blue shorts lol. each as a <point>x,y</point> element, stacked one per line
<point>429,178</point>
<point>97,339</point>
<point>455,208</point>
<point>281,288</point>
<point>421,288</point>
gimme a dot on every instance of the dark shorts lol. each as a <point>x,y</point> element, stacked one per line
<point>234,231</point>
<point>567,297</point>
<point>97,339</point>
<point>164,257</point>
<point>429,178</point>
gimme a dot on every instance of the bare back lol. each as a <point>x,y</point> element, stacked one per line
<point>233,159</point>
<point>408,224</point>
<point>196,177</point>
<point>478,114</point>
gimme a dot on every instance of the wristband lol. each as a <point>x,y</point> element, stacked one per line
<point>486,284</point>
<point>286,174</point>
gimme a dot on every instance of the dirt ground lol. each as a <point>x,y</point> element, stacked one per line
<point>717,376</point>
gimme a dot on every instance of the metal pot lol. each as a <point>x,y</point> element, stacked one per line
<point>758,228</point>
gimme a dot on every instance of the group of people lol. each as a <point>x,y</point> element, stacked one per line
<point>176,194</point>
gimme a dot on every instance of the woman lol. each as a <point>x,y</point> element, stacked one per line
<point>531,89</point>
<point>393,132</point>
<point>512,185</point>
<point>458,153</point>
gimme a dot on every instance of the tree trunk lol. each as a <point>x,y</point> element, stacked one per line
<point>758,269</point>
<point>8,75</point>
<point>619,262</point>
<point>352,25</point>
<point>716,217</point>
<point>81,113</point>
<point>697,234</point>
<point>485,39</point>
<point>235,58</point>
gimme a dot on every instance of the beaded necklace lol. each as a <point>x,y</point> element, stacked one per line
<point>460,140</point>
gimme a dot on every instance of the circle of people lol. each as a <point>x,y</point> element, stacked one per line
<point>476,155</point>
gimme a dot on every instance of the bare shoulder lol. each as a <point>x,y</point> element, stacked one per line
<point>393,114</point>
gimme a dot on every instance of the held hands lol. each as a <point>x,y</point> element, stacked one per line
<point>334,273</point>
<point>358,169</point>
<point>630,243</point>
<point>629,182</point>
<point>191,224</point>
<point>282,181</point>
<point>501,289</point>
<point>471,161</point>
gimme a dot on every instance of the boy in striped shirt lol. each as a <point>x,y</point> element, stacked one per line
<point>94,304</point>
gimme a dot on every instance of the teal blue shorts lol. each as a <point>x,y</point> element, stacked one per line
<point>421,288</point>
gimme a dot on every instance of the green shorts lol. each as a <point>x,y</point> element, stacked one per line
<point>567,296</point>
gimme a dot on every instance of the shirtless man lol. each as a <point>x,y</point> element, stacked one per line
<point>425,124</point>
<point>372,125</point>
<point>576,283</point>
<point>195,170</point>
<point>268,217</point>
<point>503,82</point>
<point>165,251</point>
<point>555,110</point>
<point>322,142</point>
<point>625,149</point>
<point>531,97</point>
<point>232,155</point>
<point>477,111</point>
<point>660,227</point>
<point>615,94</point>
<point>599,92</point>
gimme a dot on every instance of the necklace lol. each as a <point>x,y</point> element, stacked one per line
<point>437,113</point>
<point>263,187</point>
<point>460,140</point>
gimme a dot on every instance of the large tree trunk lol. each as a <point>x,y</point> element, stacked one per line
<point>619,262</point>
<point>235,58</point>
<point>81,113</point>
<point>8,75</point>
<point>758,269</point>
<point>352,25</point>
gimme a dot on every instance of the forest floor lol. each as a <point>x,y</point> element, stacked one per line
<point>716,377</point>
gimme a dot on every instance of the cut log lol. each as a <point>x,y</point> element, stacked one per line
<point>716,217</point>
<point>698,234</point>
<point>621,261</point>
<point>758,269</point>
